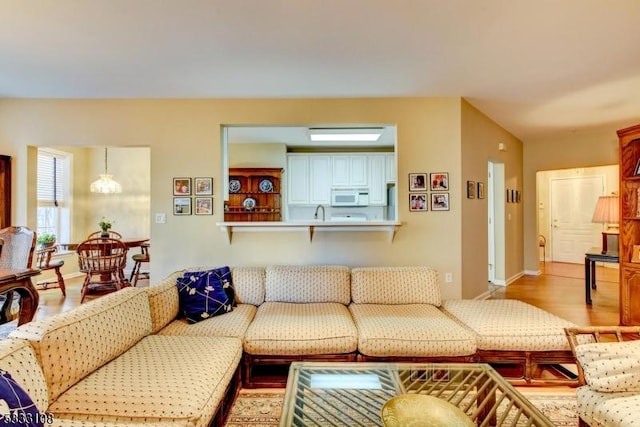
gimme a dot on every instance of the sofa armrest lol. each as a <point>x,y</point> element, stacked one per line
<point>590,334</point>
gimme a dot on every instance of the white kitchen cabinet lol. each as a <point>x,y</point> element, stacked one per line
<point>320,180</point>
<point>309,179</point>
<point>377,180</point>
<point>298,180</point>
<point>350,171</point>
<point>390,168</point>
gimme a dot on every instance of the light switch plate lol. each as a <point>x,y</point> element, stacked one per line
<point>161,218</point>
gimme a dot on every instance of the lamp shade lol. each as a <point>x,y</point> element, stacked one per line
<point>607,210</point>
<point>105,184</point>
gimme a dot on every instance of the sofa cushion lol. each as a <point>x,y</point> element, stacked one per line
<point>75,343</point>
<point>249,284</point>
<point>293,329</point>
<point>510,325</point>
<point>308,284</point>
<point>232,324</point>
<point>18,358</point>
<point>607,409</point>
<point>419,330</point>
<point>611,367</point>
<point>222,275</point>
<point>19,404</point>
<point>395,285</point>
<point>162,378</point>
<point>202,296</point>
<point>164,302</point>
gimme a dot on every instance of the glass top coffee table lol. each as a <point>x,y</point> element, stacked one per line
<point>352,394</point>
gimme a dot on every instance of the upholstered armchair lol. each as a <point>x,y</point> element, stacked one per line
<point>608,361</point>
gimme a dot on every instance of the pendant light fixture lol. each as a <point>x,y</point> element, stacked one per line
<point>105,184</point>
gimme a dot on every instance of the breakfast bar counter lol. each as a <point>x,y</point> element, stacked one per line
<point>310,227</point>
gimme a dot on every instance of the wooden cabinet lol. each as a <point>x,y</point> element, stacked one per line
<point>254,195</point>
<point>5,191</point>
<point>629,224</point>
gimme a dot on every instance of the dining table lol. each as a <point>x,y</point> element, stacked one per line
<point>130,242</point>
<point>19,281</point>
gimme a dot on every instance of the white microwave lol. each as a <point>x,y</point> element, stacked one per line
<point>346,197</point>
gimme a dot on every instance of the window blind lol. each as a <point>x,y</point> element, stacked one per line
<point>50,178</point>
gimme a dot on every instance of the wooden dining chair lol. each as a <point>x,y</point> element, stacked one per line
<point>112,235</point>
<point>44,262</point>
<point>103,261</point>
<point>17,253</point>
<point>143,257</point>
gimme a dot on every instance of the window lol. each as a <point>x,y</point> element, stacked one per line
<point>53,193</point>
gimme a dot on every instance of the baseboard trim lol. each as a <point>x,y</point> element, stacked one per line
<point>533,272</point>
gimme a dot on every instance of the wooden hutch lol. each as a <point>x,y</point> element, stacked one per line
<point>254,195</point>
<point>629,225</point>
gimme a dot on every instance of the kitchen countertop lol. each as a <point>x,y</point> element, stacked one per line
<point>310,226</point>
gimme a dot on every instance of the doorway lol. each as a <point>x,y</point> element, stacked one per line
<point>566,202</point>
<point>496,221</point>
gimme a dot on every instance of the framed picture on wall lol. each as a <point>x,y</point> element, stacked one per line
<point>418,202</point>
<point>182,205</point>
<point>439,181</point>
<point>480,190</point>
<point>439,201</point>
<point>203,186</point>
<point>417,182</point>
<point>181,186</point>
<point>471,189</point>
<point>204,205</point>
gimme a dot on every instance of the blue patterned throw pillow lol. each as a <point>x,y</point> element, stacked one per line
<point>16,407</point>
<point>224,275</point>
<point>202,296</point>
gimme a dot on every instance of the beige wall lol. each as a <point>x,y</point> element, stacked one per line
<point>480,139</point>
<point>575,150</point>
<point>184,140</point>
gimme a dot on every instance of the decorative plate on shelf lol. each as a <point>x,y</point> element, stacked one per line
<point>234,185</point>
<point>249,204</point>
<point>266,186</point>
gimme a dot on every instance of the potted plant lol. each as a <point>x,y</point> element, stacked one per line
<point>105,225</point>
<point>46,240</point>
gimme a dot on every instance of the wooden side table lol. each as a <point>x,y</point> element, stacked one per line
<point>592,256</point>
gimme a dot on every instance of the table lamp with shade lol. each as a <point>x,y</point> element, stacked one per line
<point>608,212</point>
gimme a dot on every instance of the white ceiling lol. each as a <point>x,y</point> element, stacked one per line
<point>298,136</point>
<point>537,67</point>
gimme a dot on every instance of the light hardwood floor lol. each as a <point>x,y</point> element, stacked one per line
<point>559,290</point>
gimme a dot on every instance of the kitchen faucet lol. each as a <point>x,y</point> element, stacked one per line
<point>315,215</point>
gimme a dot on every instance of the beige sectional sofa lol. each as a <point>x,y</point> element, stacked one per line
<point>131,352</point>
<point>100,364</point>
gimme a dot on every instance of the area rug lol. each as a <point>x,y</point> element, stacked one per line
<point>262,408</point>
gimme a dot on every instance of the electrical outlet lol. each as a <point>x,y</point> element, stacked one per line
<point>161,218</point>
<point>448,277</point>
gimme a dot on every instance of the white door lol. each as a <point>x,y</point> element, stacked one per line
<point>491,225</point>
<point>573,201</point>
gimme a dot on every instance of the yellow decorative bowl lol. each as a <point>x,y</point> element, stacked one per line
<point>419,410</point>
